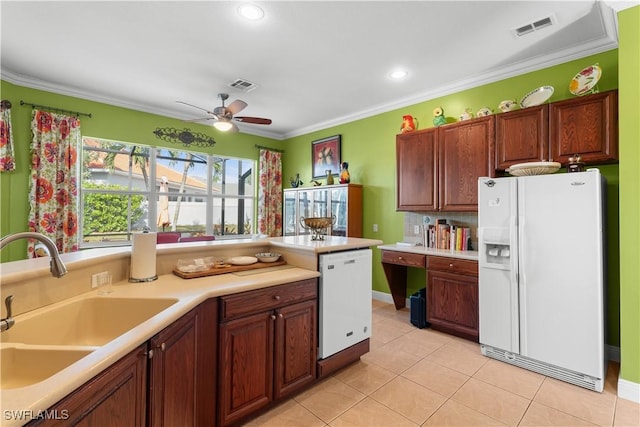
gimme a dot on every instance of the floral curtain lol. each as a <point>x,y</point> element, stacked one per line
<point>7,159</point>
<point>270,193</point>
<point>54,173</point>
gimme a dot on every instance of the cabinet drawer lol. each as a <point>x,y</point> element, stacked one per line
<point>403,258</point>
<point>454,265</point>
<point>250,302</point>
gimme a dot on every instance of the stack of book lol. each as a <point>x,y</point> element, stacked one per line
<point>447,236</point>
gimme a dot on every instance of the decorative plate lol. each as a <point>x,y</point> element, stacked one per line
<point>536,97</point>
<point>533,168</point>
<point>242,260</point>
<point>584,82</point>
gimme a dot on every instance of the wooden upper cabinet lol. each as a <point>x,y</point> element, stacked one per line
<point>521,136</point>
<point>416,168</point>
<point>586,126</point>
<point>465,152</point>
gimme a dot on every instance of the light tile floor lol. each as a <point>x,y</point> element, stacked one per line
<point>420,377</point>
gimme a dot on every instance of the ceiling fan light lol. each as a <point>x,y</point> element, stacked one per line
<point>398,74</point>
<point>223,125</point>
<point>251,12</point>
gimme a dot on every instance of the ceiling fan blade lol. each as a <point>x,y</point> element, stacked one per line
<point>236,106</point>
<point>195,106</point>
<point>254,120</point>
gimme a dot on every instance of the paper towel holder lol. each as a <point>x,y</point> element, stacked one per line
<point>145,230</point>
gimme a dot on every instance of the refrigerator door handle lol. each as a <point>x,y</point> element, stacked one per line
<point>522,285</point>
<point>514,256</point>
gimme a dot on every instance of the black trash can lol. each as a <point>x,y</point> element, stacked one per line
<point>418,308</point>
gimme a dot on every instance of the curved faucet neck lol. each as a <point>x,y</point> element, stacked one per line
<point>57,267</point>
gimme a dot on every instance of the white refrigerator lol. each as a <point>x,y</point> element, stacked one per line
<point>542,274</point>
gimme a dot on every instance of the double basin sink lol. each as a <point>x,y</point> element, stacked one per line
<point>42,343</point>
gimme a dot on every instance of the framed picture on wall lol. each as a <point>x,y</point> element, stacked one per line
<point>325,155</point>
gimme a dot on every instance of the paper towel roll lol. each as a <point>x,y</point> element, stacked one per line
<point>143,258</point>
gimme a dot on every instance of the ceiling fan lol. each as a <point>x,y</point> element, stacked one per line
<point>225,116</point>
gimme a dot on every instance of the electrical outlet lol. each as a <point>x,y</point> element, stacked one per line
<point>416,229</point>
<point>99,279</point>
<point>426,219</point>
<point>375,228</point>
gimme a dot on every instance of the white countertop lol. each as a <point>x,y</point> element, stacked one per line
<point>470,255</point>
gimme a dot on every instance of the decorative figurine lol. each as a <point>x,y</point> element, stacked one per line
<point>466,114</point>
<point>329,177</point>
<point>316,183</point>
<point>484,112</point>
<point>408,124</point>
<point>345,176</point>
<point>438,117</point>
<point>508,105</point>
<point>295,183</point>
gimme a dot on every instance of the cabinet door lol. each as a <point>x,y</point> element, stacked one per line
<point>173,374</point>
<point>522,136</point>
<point>465,154</point>
<point>416,169</point>
<point>245,366</point>
<point>295,347</point>
<point>586,126</point>
<point>115,397</point>
<point>289,222</point>
<point>452,303</point>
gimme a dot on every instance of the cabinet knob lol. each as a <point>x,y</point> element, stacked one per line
<point>451,265</point>
<point>276,297</point>
<point>400,258</point>
<point>280,315</point>
<point>162,346</point>
<point>273,317</point>
<point>149,354</point>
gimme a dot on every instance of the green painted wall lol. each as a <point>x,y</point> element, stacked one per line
<point>369,147</point>
<point>629,125</point>
<point>107,121</point>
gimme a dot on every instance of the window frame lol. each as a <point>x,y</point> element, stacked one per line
<point>153,154</point>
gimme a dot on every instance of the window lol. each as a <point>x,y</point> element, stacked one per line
<point>126,187</point>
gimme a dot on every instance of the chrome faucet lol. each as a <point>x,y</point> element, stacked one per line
<point>57,267</point>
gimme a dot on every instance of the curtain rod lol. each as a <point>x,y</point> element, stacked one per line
<point>269,148</point>
<point>60,110</point>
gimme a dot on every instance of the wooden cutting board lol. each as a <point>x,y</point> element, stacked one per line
<point>227,268</point>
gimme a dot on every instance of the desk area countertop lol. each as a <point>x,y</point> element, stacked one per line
<point>396,258</point>
<point>470,255</point>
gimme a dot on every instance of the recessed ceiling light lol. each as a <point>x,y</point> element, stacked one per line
<point>398,74</point>
<point>251,12</point>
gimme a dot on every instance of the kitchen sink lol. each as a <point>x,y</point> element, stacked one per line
<point>87,322</point>
<point>23,366</point>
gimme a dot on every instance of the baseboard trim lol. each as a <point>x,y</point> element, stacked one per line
<point>612,352</point>
<point>628,390</point>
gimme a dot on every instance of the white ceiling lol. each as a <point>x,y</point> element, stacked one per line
<point>316,64</point>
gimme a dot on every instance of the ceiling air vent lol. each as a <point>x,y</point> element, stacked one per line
<point>243,85</point>
<point>533,26</point>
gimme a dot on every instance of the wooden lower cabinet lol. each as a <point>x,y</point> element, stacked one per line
<point>115,397</point>
<point>182,360</point>
<point>168,381</point>
<point>268,347</point>
<point>452,296</point>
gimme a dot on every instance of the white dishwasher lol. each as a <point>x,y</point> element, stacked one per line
<point>345,300</point>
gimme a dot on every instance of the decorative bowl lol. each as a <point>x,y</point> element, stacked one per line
<point>534,168</point>
<point>317,222</point>
<point>268,256</point>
